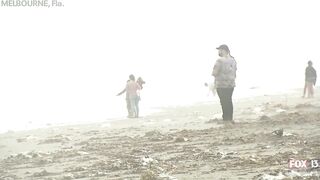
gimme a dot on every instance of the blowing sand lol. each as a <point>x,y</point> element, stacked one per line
<point>177,143</point>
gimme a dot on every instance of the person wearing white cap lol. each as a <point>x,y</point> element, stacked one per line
<point>224,72</point>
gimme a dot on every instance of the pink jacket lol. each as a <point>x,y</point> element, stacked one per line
<point>132,89</point>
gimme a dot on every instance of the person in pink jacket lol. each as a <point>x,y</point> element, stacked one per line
<point>132,89</point>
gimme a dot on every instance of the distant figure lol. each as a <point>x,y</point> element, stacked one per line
<point>132,89</point>
<point>127,99</point>
<point>224,72</point>
<point>310,80</point>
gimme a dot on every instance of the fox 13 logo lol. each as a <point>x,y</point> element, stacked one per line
<point>304,164</point>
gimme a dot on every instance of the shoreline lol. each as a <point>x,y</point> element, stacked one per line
<point>150,111</point>
<point>179,142</point>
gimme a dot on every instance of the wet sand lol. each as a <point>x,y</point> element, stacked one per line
<point>177,143</point>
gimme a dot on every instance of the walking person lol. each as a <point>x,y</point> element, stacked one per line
<point>224,72</point>
<point>310,80</point>
<point>127,100</point>
<point>132,89</point>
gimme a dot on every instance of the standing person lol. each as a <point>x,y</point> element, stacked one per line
<point>132,89</point>
<point>224,72</point>
<point>127,100</point>
<point>310,80</point>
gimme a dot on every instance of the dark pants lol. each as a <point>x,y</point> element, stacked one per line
<point>225,95</point>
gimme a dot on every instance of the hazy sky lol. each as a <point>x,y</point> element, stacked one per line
<point>71,61</point>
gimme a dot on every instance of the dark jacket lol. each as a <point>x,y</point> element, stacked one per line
<point>311,75</point>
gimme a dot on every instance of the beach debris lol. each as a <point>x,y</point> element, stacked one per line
<point>281,106</point>
<point>270,177</point>
<point>26,139</point>
<point>258,111</point>
<point>67,147</point>
<point>295,152</point>
<point>146,160</point>
<point>278,132</point>
<point>181,139</point>
<point>306,105</point>
<point>291,174</point>
<point>68,177</point>
<point>3,171</point>
<point>288,134</point>
<point>75,169</point>
<point>134,156</point>
<point>167,177</point>
<point>97,173</point>
<point>82,153</point>
<point>82,143</point>
<point>265,118</point>
<point>41,174</point>
<point>231,153</point>
<point>9,177</point>
<point>148,175</point>
<point>280,110</point>
<point>55,139</point>
<point>253,159</point>
<point>24,157</point>
<point>221,155</point>
<point>266,147</point>
<point>116,165</point>
<point>154,135</point>
<point>215,120</point>
<point>204,155</point>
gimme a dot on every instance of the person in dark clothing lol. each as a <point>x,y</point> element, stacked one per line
<point>224,72</point>
<point>310,80</point>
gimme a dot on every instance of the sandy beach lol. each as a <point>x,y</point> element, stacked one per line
<point>177,143</point>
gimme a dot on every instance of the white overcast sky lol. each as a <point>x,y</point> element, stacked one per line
<point>62,62</point>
